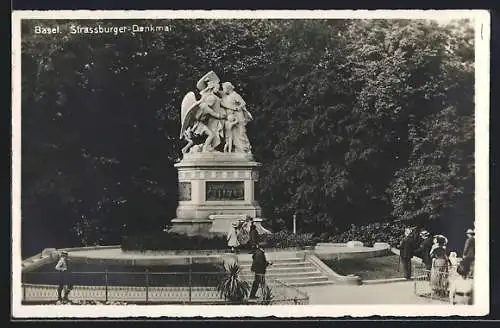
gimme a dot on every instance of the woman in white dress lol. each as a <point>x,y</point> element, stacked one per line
<point>232,237</point>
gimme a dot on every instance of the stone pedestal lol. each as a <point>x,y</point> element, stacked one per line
<point>221,185</point>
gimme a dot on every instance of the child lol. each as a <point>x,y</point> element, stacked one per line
<point>228,130</point>
<point>453,259</point>
<point>188,136</point>
<point>65,284</point>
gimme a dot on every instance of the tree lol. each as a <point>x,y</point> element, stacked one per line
<point>439,172</point>
<point>354,121</point>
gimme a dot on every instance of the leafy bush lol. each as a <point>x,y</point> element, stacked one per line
<point>383,232</point>
<point>267,295</point>
<point>386,232</point>
<point>232,288</point>
<point>284,239</point>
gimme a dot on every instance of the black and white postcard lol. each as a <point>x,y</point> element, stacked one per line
<point>260,163</point>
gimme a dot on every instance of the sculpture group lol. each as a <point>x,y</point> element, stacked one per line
<point>218,118</point>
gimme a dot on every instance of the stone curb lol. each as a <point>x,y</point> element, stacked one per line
<point>330,273</point>
<point>203,252</point>
<point>382,281</point>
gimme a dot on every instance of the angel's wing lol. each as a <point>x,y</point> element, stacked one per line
<point>187,103</point>
<point>189,107</point>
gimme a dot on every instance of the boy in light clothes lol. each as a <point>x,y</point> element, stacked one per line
<point>64,278</point>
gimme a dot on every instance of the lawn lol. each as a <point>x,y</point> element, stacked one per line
<point>128,275</point>
<point>384,267</point>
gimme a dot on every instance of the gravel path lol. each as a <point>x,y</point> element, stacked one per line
<point>392,293</point>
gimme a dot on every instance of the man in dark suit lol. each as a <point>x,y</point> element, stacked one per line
<point>423,251</point>
<point>469,252</point>
<point>254,237</point>
<point>406,251</point>
<point>259,267</point>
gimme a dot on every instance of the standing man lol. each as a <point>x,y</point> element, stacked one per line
<point>254,237</point>
<point>424,250</point>
<point>406,250</point>
<point>64,277</point>
<point>259,266</point>
<point>469,252</point>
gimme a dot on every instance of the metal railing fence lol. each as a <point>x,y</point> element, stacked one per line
<point>438,282</point>
<point>146,287</point>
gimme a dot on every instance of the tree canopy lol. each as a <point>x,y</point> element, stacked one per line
<point>355,121</point>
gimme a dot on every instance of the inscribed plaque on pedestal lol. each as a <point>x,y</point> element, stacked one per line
<point>225,190</point>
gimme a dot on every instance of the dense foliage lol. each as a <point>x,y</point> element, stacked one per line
<point>355,122</point>
<point>285,239</point>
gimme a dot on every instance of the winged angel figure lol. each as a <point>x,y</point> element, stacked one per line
<point>203,117</point>
<point>217,114</point>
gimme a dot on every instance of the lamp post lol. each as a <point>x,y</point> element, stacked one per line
<point>294,223</point>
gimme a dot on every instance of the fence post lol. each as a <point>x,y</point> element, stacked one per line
<point>147,285</point>
<point>190,277</point>
<point>106,283</point>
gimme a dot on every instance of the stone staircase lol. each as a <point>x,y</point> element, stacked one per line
<point>293,271</point>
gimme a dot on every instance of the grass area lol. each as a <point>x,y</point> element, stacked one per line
<point>122,275</point>
<point>384,267</point>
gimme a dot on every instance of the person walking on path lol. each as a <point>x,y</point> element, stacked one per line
<point>232,237</point>
<point>65,284</point>
<point>254,237</point>
<point>469,253</point>
<point>406,251</point>
<point>259,267</point>
<point>424,250</point>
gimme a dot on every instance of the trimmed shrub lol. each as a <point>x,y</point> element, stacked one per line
<point>382,232</point>
<point>285,239</point>
<point>174,241</point>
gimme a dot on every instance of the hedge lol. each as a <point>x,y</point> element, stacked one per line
<point>384,232</point>
<point>174,241</point>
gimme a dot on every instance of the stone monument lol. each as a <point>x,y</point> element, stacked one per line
<point>218,178</point>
